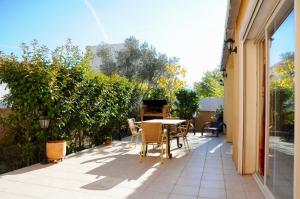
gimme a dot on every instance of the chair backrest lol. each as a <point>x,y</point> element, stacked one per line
<point>132,127</point>
<point>218,125</point>
<point>186,127</point>
<point>151,132</point>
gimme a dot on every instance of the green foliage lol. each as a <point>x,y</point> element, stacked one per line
<point>209,86</point>
<point>171,81</point>
<point>61,85</point>
<point>187,103</point>
<point>282,92</point>
<point>155,93</point>
<point>139,62</point>
<point>219,114</point>
<point>109,66</point>
<point>27,152</point>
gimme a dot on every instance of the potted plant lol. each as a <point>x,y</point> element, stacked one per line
<point>56,150</point>
<point>108,140</point>
<point>55,143</point>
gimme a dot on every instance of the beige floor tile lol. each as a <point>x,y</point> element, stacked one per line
<point>236,194</point>
<point>194,173</point>
<point>115,172</point>
<point>164,179</point>
<point>152,195</point>
<point>186,190</point>
<point>255,195</point>
<point>211,176</point>
<point>15,196</point>
<point>233,178</point>
<point>213,198</point>
<point>74,195</point>
<point>229,171</point>
<point>212,193</point>
<point>160,187</point>
<point>176,196</point>
<point>212,184</point>
<point>213,165</point>
<point>189,181</point>
<point>234,186</point>
<point>122,192</point>
<point>213,171</point>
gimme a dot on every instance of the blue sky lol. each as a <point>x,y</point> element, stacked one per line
<point>283,39</point>
<point>190,30</point>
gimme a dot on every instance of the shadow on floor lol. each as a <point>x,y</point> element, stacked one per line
<point>28,169</point>
<point>124,167</point>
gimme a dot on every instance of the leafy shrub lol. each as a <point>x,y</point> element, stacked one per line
<point>187,103</point>
<point>218,116</point>
<point>156,93</point>
<point>62,86</point>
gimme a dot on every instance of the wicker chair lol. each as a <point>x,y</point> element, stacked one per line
<point>153,134</point>
<point>214,127</point>
<point>135,131</point>
<point>182,133</point>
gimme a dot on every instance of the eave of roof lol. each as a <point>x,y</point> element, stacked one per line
<point>233,8</point>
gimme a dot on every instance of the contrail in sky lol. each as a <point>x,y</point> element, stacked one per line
<point>98,21</point>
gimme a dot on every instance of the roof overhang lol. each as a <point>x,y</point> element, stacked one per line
<point>233,8</point>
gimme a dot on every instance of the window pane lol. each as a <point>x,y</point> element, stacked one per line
<point>281,130</point>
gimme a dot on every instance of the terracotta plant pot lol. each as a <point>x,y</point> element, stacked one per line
<point>56,150</point>
<point>108,142</point>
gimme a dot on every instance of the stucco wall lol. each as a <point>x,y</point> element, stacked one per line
<point>234,91</point>
<point>228,101</point>
<point>250,112</point>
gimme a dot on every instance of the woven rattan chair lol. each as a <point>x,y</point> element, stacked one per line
<point>153,134</point>
<point>135,131</point>
<point>182,133</point>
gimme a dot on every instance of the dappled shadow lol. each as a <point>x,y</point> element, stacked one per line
<point>116,172</point>
<point>102,149</point>
<point>124,167</point>
<point>117,168</point>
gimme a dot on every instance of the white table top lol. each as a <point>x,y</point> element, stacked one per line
<point>166,121</point>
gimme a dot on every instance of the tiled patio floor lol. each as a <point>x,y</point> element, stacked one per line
<point>115,172</point>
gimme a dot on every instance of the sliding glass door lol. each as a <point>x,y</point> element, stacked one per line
<point>280,159</point>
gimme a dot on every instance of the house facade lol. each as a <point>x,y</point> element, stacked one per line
<point>261,69</point>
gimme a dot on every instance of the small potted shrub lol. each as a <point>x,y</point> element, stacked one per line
<point>108,140</point>
<point>56,150</point>
<point>56,145</point>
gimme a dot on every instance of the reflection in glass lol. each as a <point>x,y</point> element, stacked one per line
<point>281,130</point>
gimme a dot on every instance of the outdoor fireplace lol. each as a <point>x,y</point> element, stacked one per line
<point>154,109</point>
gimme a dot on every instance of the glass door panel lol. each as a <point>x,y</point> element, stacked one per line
<point>280,159</point>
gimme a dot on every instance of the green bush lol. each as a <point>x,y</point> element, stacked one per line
<point>155,93</point>
<point>218,116</point>
<point>61,85</point>
<point>187,103</point>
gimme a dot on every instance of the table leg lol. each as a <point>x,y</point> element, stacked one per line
<point>146,150</point>
<point>168,143</point>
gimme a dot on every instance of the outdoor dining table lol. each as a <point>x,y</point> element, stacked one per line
<point>167,123</point>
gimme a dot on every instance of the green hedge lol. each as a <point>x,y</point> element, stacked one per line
<point>61,85</point>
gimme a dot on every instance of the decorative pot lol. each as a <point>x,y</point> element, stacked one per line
<point>108,142</point>
<point>56,150</point>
